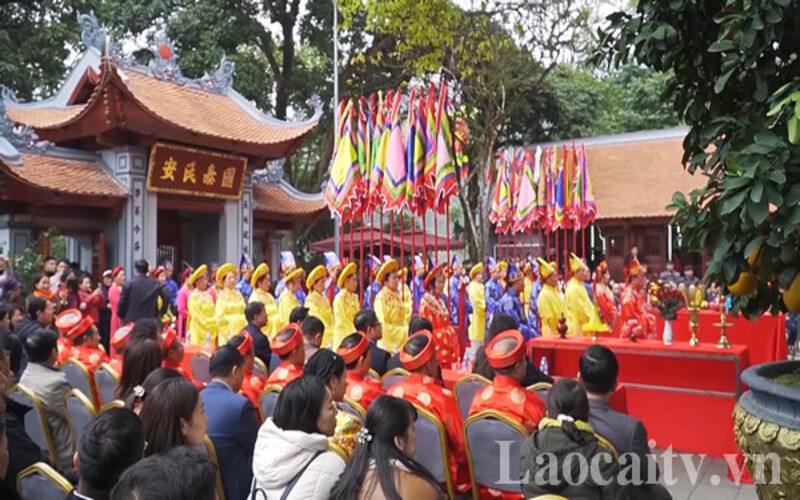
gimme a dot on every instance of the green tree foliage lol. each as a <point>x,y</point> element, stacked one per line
<point>586,105</point>
<point>734,63</point>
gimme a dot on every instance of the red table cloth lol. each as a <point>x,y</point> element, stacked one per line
<point>765,338</point>
<point>684,395</point>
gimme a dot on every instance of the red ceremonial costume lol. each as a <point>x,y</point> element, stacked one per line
<point>252,384</point>
<point>68,323</point>
<point>360,389</point>
<point>435,310</point>
<point>636,312</point>
<point>428,393</point>
<point>605,299</point>
<point>286,371</point>
<point>170,337</point>
<point>118,343</point>
<point>73,325</point>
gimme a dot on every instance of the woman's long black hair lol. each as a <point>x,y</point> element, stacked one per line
<point>568,397</point>
<point>139,359</point>
<point>387,418</point>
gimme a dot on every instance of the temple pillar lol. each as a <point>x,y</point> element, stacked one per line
<point>236,226</point>
<point>137,229</point>
<point>16,234</point>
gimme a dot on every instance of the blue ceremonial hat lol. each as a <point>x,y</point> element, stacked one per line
<point>513,273</point>
<point>490,263</point>
<point>244,261</point>
<point>455,261</point>
<point>331,259</point>
<point>287,261</point>
<point>374,262</point>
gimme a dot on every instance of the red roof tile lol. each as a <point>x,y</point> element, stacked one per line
<point>276,200</point>
<point>64,176</point>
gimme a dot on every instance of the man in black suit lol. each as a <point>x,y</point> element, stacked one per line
<point>111,442</point>
<point>139,298</point>
<point>598,374</point>
<point>366,321</point>
<point>256,317</point>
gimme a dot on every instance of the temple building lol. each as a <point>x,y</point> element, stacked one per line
<point>132,161</point>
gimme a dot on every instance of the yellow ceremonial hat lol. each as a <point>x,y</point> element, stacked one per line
<point>294,274</point>
<point>315,275</point>
<point>224,270</point>
<point>546,269</point>
<point>261,270</point>
<point>476,269</point>
<point>502,265</point>
<point>575,263</point>
<point>201,270</point>
<point>388,267</point>
<point>349,270</point>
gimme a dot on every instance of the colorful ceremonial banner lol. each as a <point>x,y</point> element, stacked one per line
<point>196,172</point>
<point>445,168</point>
<point>342,189</point>
<point>395,174</point>
<point>526,200</point>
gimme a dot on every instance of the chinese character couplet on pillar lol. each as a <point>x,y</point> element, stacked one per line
<point>198,172</point>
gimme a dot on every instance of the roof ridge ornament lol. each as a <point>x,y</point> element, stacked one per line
<point>222,79</point>
<point>315,103</point>
<point>20,137</point>
<point>93,35</point>
<point>271,174</point>
<point>164,65</point>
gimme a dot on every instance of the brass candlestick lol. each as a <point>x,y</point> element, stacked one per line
<point>694,325</point>
<point>723,342</point>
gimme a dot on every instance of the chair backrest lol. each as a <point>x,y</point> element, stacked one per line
<point>78,376</point>
<point>374,375</point>
<point>393,376</point>
<point>465,390</point>
<point>117,403</point>
<point>106,380</point>
<point>432,448</point>
<point>349,406</point>
<point>41,482</point>
<point>260,369</point>
<point>274,361</point>
<point>267,401</point>
<point>494,448</point>
<point>79,412</point>
<point>548,496</point>
<point>211,452</point>
<point>35,421</point>
<point>200,367</point>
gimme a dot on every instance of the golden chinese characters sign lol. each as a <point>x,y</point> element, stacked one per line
<point>197,172</point>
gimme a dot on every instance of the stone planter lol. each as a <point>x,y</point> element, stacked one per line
<point>767,420</point>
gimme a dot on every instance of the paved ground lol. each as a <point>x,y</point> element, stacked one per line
<point>713,483</point>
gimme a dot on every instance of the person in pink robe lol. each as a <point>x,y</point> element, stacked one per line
<point>114,292</point>
<point>183,304</point>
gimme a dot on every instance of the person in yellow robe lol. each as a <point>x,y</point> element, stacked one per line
<point>389,307</point>
<point>527,271</point>
<point>230,304</point>
<point>202,324</point>
<point>477,320</point>
<point>405,294</point>
<point>550,302</point>
<point>287,300</point>
<point>261,281</point>
<point>318,304</point>
<point>582,315</point>
<point>345,304</point>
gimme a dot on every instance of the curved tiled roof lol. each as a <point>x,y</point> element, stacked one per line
<point>63,175</point>
<point>276,199</point>
<point>43,117</point>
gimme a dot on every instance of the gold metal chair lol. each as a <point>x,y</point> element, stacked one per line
<point>260,368</point>
<point>540,386</point>
<point>267,401</point>
<point>41,482</point>
<point>79,377</point>
<point>353,407</point>
<point>393,376</point>
<point>35,421</point>
<point>80,411</point>
<point>481,433</point>
<point>117,403</point>
<point>212,455</point>
<point>432,448</point>
<point>106,379</point>
<point>465,389</point>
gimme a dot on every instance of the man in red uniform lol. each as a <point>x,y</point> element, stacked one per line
<point>67,323</point>
<point>423,389</point>
<point>355,351</point>
<point>118,342</point>
<point>637,318</point>
<point>287,344</point>
<point>506,354</point>
<point>85,338</point>
<point>252,384</point>
<point>174,353</point>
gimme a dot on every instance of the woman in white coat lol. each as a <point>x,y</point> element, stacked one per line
<point>291,459</point>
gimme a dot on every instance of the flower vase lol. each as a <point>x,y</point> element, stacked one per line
<point>668,335</point>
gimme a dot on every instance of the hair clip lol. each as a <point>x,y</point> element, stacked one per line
<point>364,436</point>
<point>564,418</point>
<point>138,391</point>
